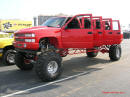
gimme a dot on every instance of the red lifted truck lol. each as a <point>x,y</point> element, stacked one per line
<point>44,46</point>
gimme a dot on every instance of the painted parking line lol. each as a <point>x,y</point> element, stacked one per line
<point>50,83</point>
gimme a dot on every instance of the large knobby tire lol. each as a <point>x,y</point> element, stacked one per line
<point>21,63</point>
<point>48,66</point>
<point>115,52</point>
<point>92,54</point>
<point>9,57</point>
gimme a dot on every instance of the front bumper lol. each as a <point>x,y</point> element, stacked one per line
<point>27,46</point>
<point>26,51</point>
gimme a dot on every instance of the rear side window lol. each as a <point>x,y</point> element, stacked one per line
<point>87,23</point>
<point>98,24</point>
<point>115,25</point>
<point>107,25</point>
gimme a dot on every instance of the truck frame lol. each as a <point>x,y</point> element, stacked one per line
<point>44,46</point>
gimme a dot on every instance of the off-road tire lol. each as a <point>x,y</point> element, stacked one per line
<point>92,54</point>
<point>42,63</point>
<point>20,63</point>
<point>115,52</point>
<point>7,60</point>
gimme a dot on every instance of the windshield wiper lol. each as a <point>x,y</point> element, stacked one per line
<point>49,26</point>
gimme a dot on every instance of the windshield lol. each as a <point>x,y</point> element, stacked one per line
<point>54,22</point>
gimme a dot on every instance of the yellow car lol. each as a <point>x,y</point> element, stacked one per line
<point>7,50</point>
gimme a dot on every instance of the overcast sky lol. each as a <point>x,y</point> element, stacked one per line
<point>27,9</point>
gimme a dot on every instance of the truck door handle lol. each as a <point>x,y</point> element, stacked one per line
<point>99,32</point>
<point>118,32</point>
<point>90,32</point>
<point>110,32</point>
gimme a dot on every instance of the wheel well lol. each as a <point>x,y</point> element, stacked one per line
<point>9,47</point>
<point>51,40</point>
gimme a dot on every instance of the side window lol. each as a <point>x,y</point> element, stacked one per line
<point>115,25</point>
<point>107,25</point>
<point>74,24</point>
<point>87,23</point>
<point>98,24</point>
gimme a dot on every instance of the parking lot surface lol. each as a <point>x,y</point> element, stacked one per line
<point>82,77</point>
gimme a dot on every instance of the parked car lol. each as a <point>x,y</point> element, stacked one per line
<point>7,50</point>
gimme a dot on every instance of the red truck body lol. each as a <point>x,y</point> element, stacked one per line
<point>72,38</point>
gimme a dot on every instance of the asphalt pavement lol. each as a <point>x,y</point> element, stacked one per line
<point>82,77</point>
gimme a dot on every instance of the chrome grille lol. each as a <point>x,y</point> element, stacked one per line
<point>21,40</point>
<point>19,35</point>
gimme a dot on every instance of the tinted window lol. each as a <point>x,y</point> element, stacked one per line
<point>98,24</point>
<point>74,24</point>
<point>87,23</point>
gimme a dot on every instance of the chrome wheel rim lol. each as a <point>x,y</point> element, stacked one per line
<point>52,67</point>
<point>10,58</point>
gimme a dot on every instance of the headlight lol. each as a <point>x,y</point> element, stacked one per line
<point>29,40</point>
<point>29,35</point>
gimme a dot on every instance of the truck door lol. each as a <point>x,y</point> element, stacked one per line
<point>108,32</point>
<point>71,34</point>
<point>87,29</point>
<point>74,36</point>
<point>98,32</point>
<point>117,32</point>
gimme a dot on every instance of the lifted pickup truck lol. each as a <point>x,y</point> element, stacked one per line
<point>44,46</point>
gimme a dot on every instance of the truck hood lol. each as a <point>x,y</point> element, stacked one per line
<point>39,29</point>
<point>42,31</point>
